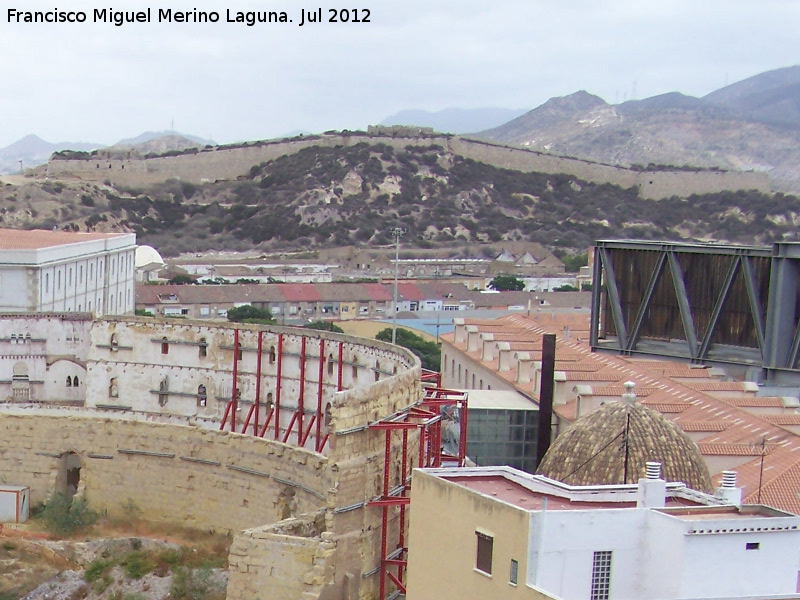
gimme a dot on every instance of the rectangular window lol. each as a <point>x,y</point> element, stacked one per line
<point>483,561</point>
<point>752,546</point>
<point>601,575</point>
<point>512,576</point>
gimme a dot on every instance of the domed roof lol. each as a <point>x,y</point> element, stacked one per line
<point>146,255</point>
<point>593,450</point>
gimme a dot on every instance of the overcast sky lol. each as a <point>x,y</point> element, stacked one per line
<point>99,83</point>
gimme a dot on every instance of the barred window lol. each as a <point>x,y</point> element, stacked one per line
<point>601,575</point>
<point>512,576</point>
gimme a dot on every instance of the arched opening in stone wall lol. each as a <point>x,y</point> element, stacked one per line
<point>68,479</point>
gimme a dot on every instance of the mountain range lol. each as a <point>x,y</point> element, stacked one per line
<point>33,150</point>
<point>753,124</point>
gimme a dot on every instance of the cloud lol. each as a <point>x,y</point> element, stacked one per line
<point>99,82</point>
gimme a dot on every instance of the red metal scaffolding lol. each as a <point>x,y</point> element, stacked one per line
<point>297,426</point>
<point>425,417</point>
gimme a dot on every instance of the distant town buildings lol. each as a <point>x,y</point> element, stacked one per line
<point>301,302</point>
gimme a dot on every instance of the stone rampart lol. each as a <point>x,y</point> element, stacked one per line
<point>229,163</point>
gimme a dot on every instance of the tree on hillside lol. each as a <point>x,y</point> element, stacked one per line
<point>182,279</point>
<point>574,262</point>
<point>507,283</point>
<point>250,314</point>
<point>324,326</point>
<point>428,352</point>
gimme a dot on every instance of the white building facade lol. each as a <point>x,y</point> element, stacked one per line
<point>505,534</point>
<point>57,271</point>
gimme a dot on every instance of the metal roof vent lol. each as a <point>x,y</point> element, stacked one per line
<point>729,479</point>
<point>653,470</point>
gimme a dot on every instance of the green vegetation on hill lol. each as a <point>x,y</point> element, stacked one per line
<point>428,352</point>
<point>324,196</point>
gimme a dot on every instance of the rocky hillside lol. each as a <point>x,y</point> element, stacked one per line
<point>323,197</point>
<point>750,125</point>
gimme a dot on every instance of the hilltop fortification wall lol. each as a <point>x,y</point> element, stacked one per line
<point>221,163</point>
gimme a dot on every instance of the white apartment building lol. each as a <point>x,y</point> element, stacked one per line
<point>59,271</point>
<point>494,532</point>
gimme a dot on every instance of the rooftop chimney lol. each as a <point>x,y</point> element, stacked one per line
<point>728,490</point>
<point>652,489</point>
<point>546,395</point>
<point>629,397</point>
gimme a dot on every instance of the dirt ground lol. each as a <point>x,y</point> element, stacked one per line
<point>114,560</point>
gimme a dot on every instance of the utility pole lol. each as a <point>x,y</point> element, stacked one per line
<point>397,232</point>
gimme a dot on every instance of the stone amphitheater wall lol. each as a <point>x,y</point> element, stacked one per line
<point>301,521</point>
<point>222,163</point>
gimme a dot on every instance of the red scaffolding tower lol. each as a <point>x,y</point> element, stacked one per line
<point>426,418</point>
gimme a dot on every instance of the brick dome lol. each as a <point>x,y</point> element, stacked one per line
<point>593,450</point>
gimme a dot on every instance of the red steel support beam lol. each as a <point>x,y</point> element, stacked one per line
<point>403,467</point>
<point>385,510</point>
<point>234,390</point>
<point>308,431</point>
<point>258,380</point>
<point>318,432</point>
<point>267,420</point>
<point>300,406</point>
<point>341,367</point>
<point>278,388</point>
<point>289,428</point>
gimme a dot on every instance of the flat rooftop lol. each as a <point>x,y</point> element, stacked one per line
<point>498,486</point>
<point>34,239</point>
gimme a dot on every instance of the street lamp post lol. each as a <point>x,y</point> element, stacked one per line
<point>397,232</point>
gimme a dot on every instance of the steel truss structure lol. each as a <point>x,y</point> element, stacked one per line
<point>706,303</point>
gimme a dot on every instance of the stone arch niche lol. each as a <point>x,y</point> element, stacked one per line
<point>68,476</point>
<point>20,381</point>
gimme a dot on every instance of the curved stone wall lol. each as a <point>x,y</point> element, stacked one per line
<point>160,449</point>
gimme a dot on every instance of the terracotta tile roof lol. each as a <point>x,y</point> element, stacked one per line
<point>300,292</point>
<point>732,449</point>
<point>584,376</point>
<point>666,408</point>
<point>562,365</point>
<point>210,294</point>
<point>787,419</point>
<point>676,373</point>
<point>18,239</point>
<point>754,401</point>
<point>702,425</point>
<point>409,291</point>
<point>780,479</point>
<point>618,390</point>
<point>718,386</point>
<point>378,292</point>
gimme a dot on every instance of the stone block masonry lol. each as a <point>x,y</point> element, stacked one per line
<point>301,525</point>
